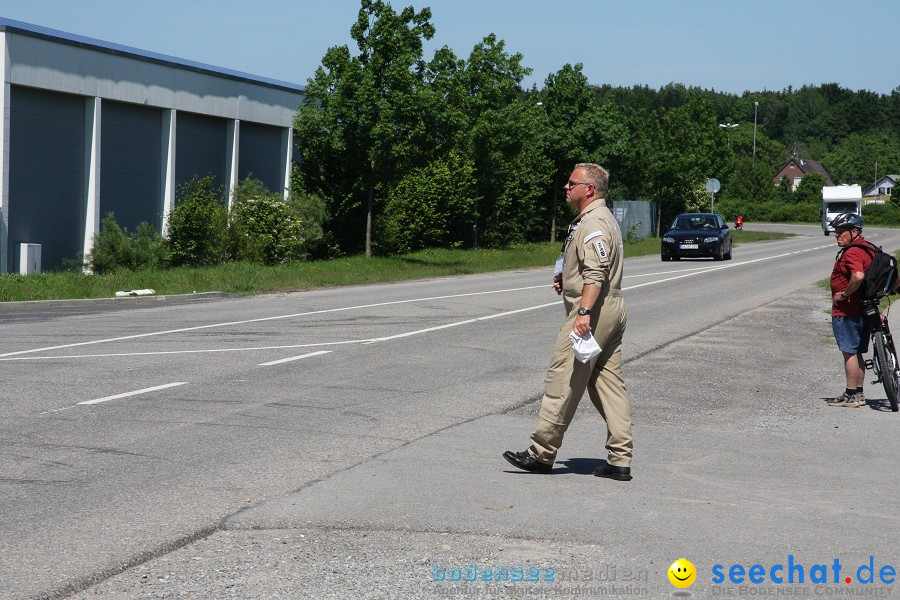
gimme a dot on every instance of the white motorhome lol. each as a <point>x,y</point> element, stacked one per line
<point>837,199</point>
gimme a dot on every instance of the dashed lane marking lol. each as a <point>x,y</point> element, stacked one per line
<point>292,358</point>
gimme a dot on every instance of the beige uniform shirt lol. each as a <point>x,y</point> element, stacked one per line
<point>594,256</point>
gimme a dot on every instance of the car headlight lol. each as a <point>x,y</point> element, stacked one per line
<point>710,239</point>
<point>670,240</point>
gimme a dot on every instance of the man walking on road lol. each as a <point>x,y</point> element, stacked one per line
<point>847,321</point>
<point>589,278</point>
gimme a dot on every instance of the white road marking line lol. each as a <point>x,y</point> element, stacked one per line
<point>728,266</point>
<point>342,342</point>
<point>466,322</point>
<point>697,271</point>
<point>707,268</point>
<point>134,393</point>
<point>284,360</point>
<point>717,266</point>
<point>261,319</point>
<point>163,352</point>
<point>47,412</point>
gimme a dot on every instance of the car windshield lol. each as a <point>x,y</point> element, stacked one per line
<point>690,223</point>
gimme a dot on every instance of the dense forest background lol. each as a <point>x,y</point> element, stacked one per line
<point>407,152</point>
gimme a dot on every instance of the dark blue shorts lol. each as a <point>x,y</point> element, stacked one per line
<point>851,333</point>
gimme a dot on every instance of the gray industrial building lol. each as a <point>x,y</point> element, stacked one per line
<point>89,127</point>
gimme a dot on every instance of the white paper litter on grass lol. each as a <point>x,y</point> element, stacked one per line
<point>144,292</point>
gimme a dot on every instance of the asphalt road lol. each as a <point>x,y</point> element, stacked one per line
<point>345,443</point>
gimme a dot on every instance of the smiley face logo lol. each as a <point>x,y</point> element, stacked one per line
<point>682,573</point>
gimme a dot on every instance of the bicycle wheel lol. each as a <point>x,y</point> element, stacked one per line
<point>887,364</point>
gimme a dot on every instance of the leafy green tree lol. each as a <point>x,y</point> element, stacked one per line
<point>772,113</point>
<point>770,154</point>
<point>853,159</point>
<point>569,103</point>
<point>866,113</point>
<point>807,121</point>
<point>583,128</point>
<point>503,136</point>
<point>518,177</point>
<point>786,190</point>
<point>197,232</point>
<point>444,98</point>
<point>691,149</point>
<point>361,123</point>
<point>891,111</point>
<point>611,146</point>
<point>809,191</point>
<point>748,184</point>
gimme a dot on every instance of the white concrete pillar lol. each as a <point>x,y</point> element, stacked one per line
<point>287,155</point>
<point>169,118</point>
<point>5,89</point>
<point>92,118</point>
<point>232,152</point>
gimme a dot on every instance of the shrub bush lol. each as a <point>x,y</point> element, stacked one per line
<point>881,214</point>
<point>262,226</point>
<point>197,233</point>
<point>775,211</point>
<point>311,211</point>
<point>114,248</point>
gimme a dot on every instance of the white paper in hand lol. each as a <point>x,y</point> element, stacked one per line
<point>585,347</point>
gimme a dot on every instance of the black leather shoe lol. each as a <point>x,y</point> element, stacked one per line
<point>613,472</point>
<point>526,462</point>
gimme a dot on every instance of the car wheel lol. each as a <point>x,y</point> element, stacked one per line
<point>719,255</point>
<point>728,254</point>
<point>664,258</point>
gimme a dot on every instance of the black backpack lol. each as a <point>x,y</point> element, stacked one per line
<point>881,274</point>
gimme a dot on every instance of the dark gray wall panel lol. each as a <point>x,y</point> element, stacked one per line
<point>199,148</point>
<point>260,155</point>
<point>131,164</point>
<point>46,174</point>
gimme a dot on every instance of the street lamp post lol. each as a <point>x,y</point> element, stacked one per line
<point>755,107</point>
<point>727,127</point>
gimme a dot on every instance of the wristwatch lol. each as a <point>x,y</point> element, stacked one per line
<point>584,311</point>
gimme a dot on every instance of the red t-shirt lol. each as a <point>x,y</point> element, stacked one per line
<point>853,259</point>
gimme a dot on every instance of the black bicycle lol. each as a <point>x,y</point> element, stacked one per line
<point>884,357</point>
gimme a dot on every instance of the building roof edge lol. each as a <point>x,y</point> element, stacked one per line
<point>72,39</point>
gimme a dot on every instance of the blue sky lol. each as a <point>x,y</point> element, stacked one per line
<point>728,45</point>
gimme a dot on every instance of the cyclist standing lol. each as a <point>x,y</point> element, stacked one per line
<point>847,322</point>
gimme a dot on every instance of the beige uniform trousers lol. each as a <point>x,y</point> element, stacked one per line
<point>567,379</point>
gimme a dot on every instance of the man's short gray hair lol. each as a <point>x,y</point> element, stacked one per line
<point>596,175</point>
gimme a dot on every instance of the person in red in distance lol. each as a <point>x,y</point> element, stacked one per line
<point>847,321</point>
